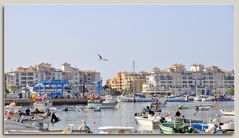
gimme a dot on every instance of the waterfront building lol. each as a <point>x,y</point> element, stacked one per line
<point>22,77</point>
<point>128,82</point>
<point>175,79</point>
<point>198,80</point>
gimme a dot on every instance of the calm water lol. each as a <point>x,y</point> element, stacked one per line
<point>124,115</point>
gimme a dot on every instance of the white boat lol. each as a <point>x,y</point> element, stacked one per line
<point>116,130</point>
<point>205,107</point>
<point>93,104</point>
<point>228,126</point>
<point>122,98</point>
<point>198,98</point>
<point>207,98</point>
<point>227,112</point>
<point>109,102</point>
<point>148,120</point>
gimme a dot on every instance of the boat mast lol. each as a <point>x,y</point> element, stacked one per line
<point>133,77</point>
<point>196,85</point>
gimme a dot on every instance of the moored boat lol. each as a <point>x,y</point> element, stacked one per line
<point>176,127</point>
<point>227,112</point>
<point>148,120</point>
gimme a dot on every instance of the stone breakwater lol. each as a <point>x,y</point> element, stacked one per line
<point>54,102</point>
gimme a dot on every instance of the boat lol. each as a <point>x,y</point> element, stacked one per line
<point>198,98</point>
<point>227,112</point>
<point>122,98</point>
<point>98,109</point>
<point>227,126</point>
<point>12,127</point>
<point>11,111</point>
<point>176,99</point>
<point>116,130</point>
<point>176,127</point>
<point>157,106</point>
<point>202,107</point>
<point>207,98</point>
<point>148,120</point>
<point>68,108</point>
<point>199,126</point>
<point>213,129</point>
<point>182,107</point>
<point>108,103</point>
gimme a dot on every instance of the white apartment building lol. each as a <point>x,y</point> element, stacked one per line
<point>44,71</point>
<point>177,78</point>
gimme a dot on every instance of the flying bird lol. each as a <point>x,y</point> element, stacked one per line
<point>100,58</point>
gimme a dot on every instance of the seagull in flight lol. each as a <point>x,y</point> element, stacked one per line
<point>100,58</point>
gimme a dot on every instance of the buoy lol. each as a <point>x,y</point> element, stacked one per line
<point>11,113</point>
<point>5,113</point>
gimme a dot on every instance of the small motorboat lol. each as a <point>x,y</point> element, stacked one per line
<point>202,107</point>
<point>116,130</point>
<point>148,120</point>
<point>228,126</point>
<point>227,112</point>
<point>176,127</point>
<point>66,108</point>
<point>182,107</point>
<point>98,109</point>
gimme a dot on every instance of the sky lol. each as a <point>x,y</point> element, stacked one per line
<point>150,35</point>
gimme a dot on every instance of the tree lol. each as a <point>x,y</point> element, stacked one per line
<point>115,92</point>
<point>13,89</point>
<point>230,91</point>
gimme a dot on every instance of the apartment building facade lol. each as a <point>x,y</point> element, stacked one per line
<point>197,79</point>
<point>130,82</point>
<point>44,71</point>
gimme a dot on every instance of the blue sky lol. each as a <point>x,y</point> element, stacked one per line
<point>152,35</point>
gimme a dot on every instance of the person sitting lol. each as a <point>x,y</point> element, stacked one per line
<point>84,127</point>
<point>151,112</point>
<point>27,111</point>
<point>20,115</point>
<point>162,120</point>
<point>146,109</point>
<point>36,111</point>
<point>196,108</point>
<point>177,113</point>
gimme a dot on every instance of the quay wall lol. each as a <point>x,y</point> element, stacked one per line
<point>55,102</point>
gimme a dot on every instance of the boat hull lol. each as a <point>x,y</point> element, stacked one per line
<point>96,105</point>
<point>147,122</point>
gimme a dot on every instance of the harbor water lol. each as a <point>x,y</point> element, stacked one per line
<point>123,115</point>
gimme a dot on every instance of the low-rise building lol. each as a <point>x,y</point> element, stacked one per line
<point>22,77</point>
